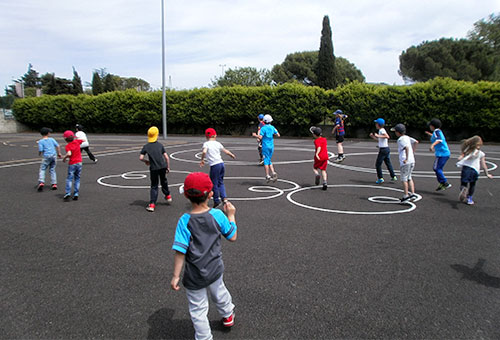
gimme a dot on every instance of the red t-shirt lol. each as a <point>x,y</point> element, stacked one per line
<point>76,153</point>
<point>321,142</point>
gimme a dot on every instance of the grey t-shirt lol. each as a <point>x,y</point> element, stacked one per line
<point>155,153</point>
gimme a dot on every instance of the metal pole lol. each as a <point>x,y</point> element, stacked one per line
<point>163,99</point>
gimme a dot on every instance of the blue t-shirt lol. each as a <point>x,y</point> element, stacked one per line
<point>48,147</point>
<point>267,132</point>
<point>441,149</point>
<point>198,237</point>
<point>340,129</point>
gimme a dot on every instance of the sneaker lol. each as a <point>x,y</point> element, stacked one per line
<point>440,187</point>
<point>53,187</point>
<point>229,321</point>
<point>66,197</point>
<point>261,162</point>
<point>150,207</point>
<point>95,160</point>
<point>413,197</point>
<point>394,179</point>
<point>168,198</point>
<point>462,197</point>
<point>380,181</point>
<point>275,177</point>
<point>405,199</point>
<point>40,186</point>
<point>75,198</point>
<point>325,186</point>
<point>316,180</point>
<point>268,178</point>
<point>446,186</point>
<point>469,200</point>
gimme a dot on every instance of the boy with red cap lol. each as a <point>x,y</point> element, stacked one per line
<point>211,151</point>
<point>74,154</point>
<point>197,248</point>
<point>159,166</point>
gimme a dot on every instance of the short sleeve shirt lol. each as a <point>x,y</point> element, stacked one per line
<point>403,143</point>
<point>340,129</point>
<point>155,153</point>
<point>213,155</point>
<point>48,147</point>
<point>441,149</point>
<point>267,132</point>
<point>473,160</point>
<point>321,142</point>
<point>76,153</point>
<point>83,137</point>
<point>383,142</point>
<point>198,236</point>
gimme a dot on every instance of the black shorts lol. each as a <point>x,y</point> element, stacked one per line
<point>340,139</point>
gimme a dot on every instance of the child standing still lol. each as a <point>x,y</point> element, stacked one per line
<point>211,151</point>
<point>266,135</point>
<point>320,156</point>
<point>442,152</point>
<point>471,159</point>
<point>74,154</point>
<point>406,161</point>
<point>80,134</point>
<point>384,152</point>
<point>49,149</point>
<point>259,147</point>
<point>159,166</point>
<point>197,247</point>
<point>339,133</point>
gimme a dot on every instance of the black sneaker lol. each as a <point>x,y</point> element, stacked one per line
<point>316,180</point>
<point>405,199</point>
<point>413,197</point>
<point>66,197</point>
<point>40,186</point>
<point>325,186</point>
<point>75,198</point>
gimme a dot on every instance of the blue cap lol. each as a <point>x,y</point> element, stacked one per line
<point>379,121</point>
<point>261,116</point>
<point>338,112</point>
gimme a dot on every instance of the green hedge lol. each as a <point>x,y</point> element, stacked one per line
<point>465,108</point>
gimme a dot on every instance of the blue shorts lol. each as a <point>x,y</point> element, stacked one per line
<point>267,154</point>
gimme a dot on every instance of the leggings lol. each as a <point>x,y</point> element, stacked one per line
<point>91,156</point>
<point>472,187</point>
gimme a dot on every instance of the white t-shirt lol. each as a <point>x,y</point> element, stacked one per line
<point>83,137</point>
<point>213,155</point>
<point>473,160</point>
<point>403,142</point>
<point>382,142</point>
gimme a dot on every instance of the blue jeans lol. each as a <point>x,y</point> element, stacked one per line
<point>74,171</point>
<point>48,162</point>
<point>438,168</point>
<point>384,155</point>
<point>217,176</point>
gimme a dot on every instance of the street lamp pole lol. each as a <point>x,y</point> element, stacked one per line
<point>163,99</point>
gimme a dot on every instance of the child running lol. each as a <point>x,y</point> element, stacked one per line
<point>81,135</point>
<point>339,132</point>
<point>49,149</point>
<point>384,152</point>
<point>159,166</point>
<point>320,156</point>
<point>211,151</point>
<point>406,161</point>
<point>442,152</point>
<point>197,247</point>
<point>266,135</point>
<point>471,159</point>
<point>74,154</point>
<point>259,147</point>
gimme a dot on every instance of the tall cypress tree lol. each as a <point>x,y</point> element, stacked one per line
<point>96,84</point>
<point>77,83</point>
<point>326,59</point>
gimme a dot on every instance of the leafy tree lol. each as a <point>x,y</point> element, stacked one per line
<point>302,67</point>
<point>31,78</point>
<point>110,82</point>
<point>97,86</point>
<point>326,60</point>
<point>77,83</point>
<point>487,31</point>
<point>133,83</point>
<point>244,76</point>
<point>53,85</point>
<point>457,59</point>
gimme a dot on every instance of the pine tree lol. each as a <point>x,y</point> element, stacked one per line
<point>326,59</point>
<point>109,84</point>
<point>77,83</point>
<point>96,84</point>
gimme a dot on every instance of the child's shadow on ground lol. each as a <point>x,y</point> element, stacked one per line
<point>163,326</point>
<point>140,203</point>
<point>477,274</point>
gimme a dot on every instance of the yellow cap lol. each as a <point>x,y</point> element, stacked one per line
<point>153,134</point>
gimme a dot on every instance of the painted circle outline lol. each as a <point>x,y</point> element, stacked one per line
<point>352,212</point>
<point>100,180</point>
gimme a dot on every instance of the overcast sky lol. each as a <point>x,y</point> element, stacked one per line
<point>124,36</point>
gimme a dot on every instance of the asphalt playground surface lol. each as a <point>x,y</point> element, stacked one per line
<point>349,262</point>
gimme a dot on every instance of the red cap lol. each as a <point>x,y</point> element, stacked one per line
<point>199,181</point>
<point>68,133</point>
<point>210,132</point>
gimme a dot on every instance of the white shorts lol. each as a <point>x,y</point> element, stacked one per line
<point>405,171</point>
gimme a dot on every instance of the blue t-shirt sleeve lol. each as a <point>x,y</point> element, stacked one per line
<point>40,145</point>
<point>55,143</point>
<point>182,235</point>
<point>275,131</point>
<point>227,229</point>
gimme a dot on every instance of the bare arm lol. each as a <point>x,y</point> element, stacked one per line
<point>66,156</point>
<point>168,161</point>
<point>277,134</point>
<point>230,211</point>
<point>203,154</point>
<point>58,148</point>
<point>318,150</point>
<point>483,164</point>
<point>178,264</point>
<point>143,159</point>
<point>229,153</point>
